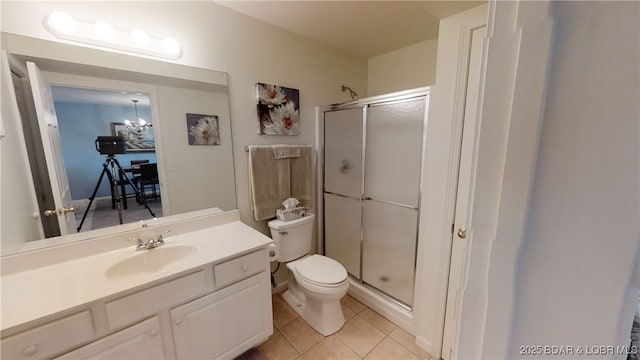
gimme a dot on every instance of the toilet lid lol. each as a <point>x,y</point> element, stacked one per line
<point>321,269</point>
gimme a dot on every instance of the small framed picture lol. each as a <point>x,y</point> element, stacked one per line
<point>203,129</point>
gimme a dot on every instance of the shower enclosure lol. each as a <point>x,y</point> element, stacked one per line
<point>371,154</point>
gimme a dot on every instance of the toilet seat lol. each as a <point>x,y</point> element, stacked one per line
<point>321,271</point>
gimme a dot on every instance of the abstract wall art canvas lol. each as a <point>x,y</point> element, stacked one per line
<point>278,110</point>
<point>203,129</point>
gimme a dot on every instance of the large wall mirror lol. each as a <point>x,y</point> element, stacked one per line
<point>70,97</point>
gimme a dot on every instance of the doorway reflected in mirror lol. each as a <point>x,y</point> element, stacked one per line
<point>84,114</point>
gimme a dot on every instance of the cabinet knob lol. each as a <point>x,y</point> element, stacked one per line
<point>244,268</point>
<point>31,350</point>
<point>153,332</point>
<point>177,321</point>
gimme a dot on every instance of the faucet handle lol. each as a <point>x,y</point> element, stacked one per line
<point>140,244</point>
<point>160,240</point>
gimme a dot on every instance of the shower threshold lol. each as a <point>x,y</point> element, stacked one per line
<point>392,309</point>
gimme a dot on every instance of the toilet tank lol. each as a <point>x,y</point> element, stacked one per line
<point>293,238</point>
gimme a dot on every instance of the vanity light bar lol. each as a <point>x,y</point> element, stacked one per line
<point>101,33</point>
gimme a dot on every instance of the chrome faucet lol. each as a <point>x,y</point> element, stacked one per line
<point>149,244</point>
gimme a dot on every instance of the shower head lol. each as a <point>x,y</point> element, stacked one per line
<point>353,94</point>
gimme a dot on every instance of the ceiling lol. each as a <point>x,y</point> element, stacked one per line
<point>363,28</point>
<point>102,97</point>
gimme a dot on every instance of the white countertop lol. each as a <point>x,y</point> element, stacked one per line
<point>46,290</point>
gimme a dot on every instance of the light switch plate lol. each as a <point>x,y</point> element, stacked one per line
<point>173,165</point>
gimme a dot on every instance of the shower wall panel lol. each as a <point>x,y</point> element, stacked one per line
<point>389,249</point>
<point>343,187</point>
<point>343,231</point>
<point>394,148</point>
<point>343,152</point>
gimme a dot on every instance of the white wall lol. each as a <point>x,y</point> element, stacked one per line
<point>577,265</point>
<point>406,68</point>
<point>194,177</point>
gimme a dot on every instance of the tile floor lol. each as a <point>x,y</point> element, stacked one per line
<point>365,335</point>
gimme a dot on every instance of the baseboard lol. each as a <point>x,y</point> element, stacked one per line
<point>424,344</point>
<point>280,288</point>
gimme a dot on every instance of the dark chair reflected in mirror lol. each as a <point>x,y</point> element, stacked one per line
<point>135,175</point>
<point>149,180</point>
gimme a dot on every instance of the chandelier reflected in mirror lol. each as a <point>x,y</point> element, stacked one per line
<point>138,124</point>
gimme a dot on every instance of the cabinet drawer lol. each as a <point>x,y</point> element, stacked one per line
<point>240,268</point>
<point>49,339</point>
<point>145,303</point>
<point>140,341</point>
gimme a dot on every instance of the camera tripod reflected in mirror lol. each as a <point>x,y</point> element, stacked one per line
<point>110,146</point>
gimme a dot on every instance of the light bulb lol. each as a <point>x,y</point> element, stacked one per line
<point>141,121</point>
<point>141,38</point>
<point>127,122</point>
<point>104,31</point>
<point>61,22</point>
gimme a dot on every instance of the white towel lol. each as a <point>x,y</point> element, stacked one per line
<point>283,151</point>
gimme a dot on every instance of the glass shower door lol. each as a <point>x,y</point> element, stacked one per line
<point>391,192</point>
<point>343,133</point>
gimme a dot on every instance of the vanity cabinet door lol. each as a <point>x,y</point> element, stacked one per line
<point>225,323</point>
<point>140,341</point>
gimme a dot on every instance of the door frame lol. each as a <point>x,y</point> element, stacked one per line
<point>35,227</point>
<point>43,191</point>
<point>512,103</point>
<point>444,136</point>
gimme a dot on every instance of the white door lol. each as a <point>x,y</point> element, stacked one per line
<point>50,136</point>
<point>462,235</point>
<point>18,203</point>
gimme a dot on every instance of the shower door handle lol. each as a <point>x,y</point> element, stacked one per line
<point>344,166</point>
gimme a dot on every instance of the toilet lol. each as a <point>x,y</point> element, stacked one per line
<point>316,282</point>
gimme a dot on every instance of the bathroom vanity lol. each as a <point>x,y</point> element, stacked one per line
<point>205,293</point>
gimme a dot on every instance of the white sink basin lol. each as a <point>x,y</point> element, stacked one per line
<point>150,261</point>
